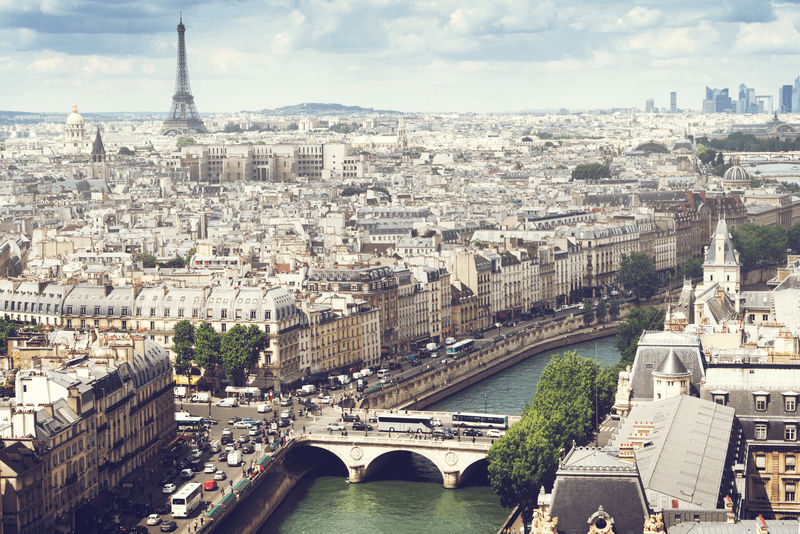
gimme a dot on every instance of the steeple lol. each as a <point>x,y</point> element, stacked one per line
<point>98,150</point>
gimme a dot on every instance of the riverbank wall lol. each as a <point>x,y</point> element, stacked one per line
<point>491,357</point>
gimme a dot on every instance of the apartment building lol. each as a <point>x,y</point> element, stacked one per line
<point>474,271</point>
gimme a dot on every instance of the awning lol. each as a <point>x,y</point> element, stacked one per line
<point>242,485</point>
<point>243,390</point>
<point>216,511</point>
<point>172,443</point>
<point>264,460</point>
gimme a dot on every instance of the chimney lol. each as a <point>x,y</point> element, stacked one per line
<point>626,452</point>
<point>138,344</point>
<point>74,400</point>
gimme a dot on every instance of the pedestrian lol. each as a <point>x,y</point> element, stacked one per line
<point>473,439</point>
<point>304,429</point>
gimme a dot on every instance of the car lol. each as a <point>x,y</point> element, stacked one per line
<point>472,432</point>
<point>394,366</point>
<point>241,424</point>
<point>335,426</point>
<point>258,439</point>
<point>264,408</point>
<point>215,449</point>
<point>210,468</point>
<point>169,526</point>
<point>196,465</point>
<point>163,509</point>
<point>116,518</point>
<point>441,433</point>
<point>210,485</point>
<point>196,453</point>
<point>358,425</point>
<point>478,335</point>
<point>229,448</point>
<point>455,431</point>
<point>494,433</point>
<point>204,446</point>
<point>230,402</point>
<point>234,419</point>
<point>223,456</point>
<point>286,401</point>
<point>169,488</point>
<point>138,529</point>
<point>220,475</point>
<point>166,479</point>
<point>122,529</point>
<point>153,519</point>
<point>186,473</point>
<point>287,414</point>
<point>254,431</point>
<point>350,418</point>
<point>243,439</point>
<point>436,422</point>
<point>248,449</point>
<point>208,421</point>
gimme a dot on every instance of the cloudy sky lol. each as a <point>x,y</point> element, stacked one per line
<point>406,55</point>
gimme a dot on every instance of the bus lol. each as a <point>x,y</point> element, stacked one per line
<point>480,420</point>
<point>461,348</point>
<point>395,422</point>
<point>187,423</point>
<point>187,499</point>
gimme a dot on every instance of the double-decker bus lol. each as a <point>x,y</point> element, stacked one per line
<point>395,422</point>
<point>480,420</point>
<point>461,348</point>
<point>187,499</point>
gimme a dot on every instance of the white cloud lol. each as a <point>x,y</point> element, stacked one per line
<point>779,37</point>
<point>675,42</point>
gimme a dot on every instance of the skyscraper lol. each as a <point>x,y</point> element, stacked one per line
<point>649,106</point>
<point>785,99</point>
<point>796,96</point>
<point>673,102</point>
<point>183,117</point>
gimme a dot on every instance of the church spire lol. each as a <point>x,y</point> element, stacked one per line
<point>98,150</point>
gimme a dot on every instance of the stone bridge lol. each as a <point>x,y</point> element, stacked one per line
<point>365,454</point>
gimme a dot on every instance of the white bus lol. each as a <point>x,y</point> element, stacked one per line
<point>405,423</point>
<point>480,420</point>
<point>187,499</point>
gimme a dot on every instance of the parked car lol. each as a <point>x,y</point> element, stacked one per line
<point>153,519</point>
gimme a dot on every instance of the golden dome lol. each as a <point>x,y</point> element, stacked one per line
<point>74,118</point>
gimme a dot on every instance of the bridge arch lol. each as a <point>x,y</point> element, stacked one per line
<point>363,455</point>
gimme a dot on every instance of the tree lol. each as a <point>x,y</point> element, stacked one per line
<point>148,260</point>
<point>232,128</point>
<point>125,151</point>
<point>183,347</point>
<point>613,308</point>
<point>175,263</point>
<point>7,330</point>
<point>588,311</point>
<point>184,141</point>
<point>600,311</point>
<point>628,331</point>
<point>526,139</point>
<point>240,350</point>
<point>636,273</point>
<point>207,345</point>
<point>760,245</point>
<point>591,171</point>
<point>292,126</point>
<point>692,268</point>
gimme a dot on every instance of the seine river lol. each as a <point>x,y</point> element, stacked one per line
<point>407,495</point>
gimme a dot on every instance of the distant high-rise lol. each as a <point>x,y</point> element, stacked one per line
<point>183,117</point>
<point>785,99</point>
<point>673,102</point>
<point>796,96</point>
<point>649,106</point>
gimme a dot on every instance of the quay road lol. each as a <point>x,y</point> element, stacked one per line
<point>308,423</point>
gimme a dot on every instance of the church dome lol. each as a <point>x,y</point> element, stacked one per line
<point>737,173</point>
<point>74,118</point>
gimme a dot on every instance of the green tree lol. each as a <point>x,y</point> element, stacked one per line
<point>692,268</point>
<point>760,245</point>
<point>175,263</point>
<point>350,191</point>
<point>588,311</point>
<point>591,171</point>
<point>232,128</point>
<point>240,350</point>
<point>125,151</point>
<point>148,260</point>
<point>636,273</point>
<point>183,347</point>
<point>601,310</point>
<point>526,139</point>
<point>184,141</point>
<point>207,345</point>
<point>292,126</point>
<point>630,330</point>
<point>7,330</point>
<point>793,237</point>
<point>613,308</point>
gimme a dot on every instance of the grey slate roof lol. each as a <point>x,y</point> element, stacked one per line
<point>686,460</point>
<point>728,257</point>
<point>747,526</point>
<point>653,348</point>
<point>671,366</point>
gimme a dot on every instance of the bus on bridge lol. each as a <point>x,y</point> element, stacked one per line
<point>396,422</point>
<point>480,420</point>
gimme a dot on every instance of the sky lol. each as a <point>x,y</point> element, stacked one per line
<point>410,55</point>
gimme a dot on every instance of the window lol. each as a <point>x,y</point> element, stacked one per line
<point>224,327</point>
<point>790,403</point>
<point>788,492</point>
<point>761,403</point>
<point>152,312</point>
<point>252,314</point>
<point>761,462</point>
<point>83,310</point>
<point>166,312</point>
<point>223,314</point>
<point>720,399</point>
<point>790,432</point>
<point>124,325</point>
<point>209,313</point>
<point>152,325</point>
<point>761,431</point>
<point>124,311</point>
<point>138,311</point>
<point>97,310</point>
<point>195,312</point>
<point>267,315</point>
<point>180,312</point>
<point>790,463</point>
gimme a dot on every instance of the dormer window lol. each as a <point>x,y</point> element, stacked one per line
<point>761,399</point>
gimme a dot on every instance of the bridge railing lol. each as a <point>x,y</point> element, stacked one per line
<point>397,441</point>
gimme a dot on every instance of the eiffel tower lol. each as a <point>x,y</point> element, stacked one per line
<point>183,117</point>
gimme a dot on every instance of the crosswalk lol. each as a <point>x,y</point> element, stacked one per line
<point>608,427</point>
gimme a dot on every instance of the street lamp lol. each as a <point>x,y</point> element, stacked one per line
<point>484,403</point>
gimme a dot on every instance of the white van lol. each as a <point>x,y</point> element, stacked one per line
<point>366,372</point>
<point>230,402</point>
<point>264,408</point>
<point>234,458</point>
<point>382,373</point>
<point>450,340</point>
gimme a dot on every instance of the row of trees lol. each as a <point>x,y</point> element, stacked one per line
<point>234,353</point>
<point>741,142</point>
<point>149,261</point>
<point>591,171</point>
<point>573,394</point>
<point>601,311</point>
<point>765,245</point>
